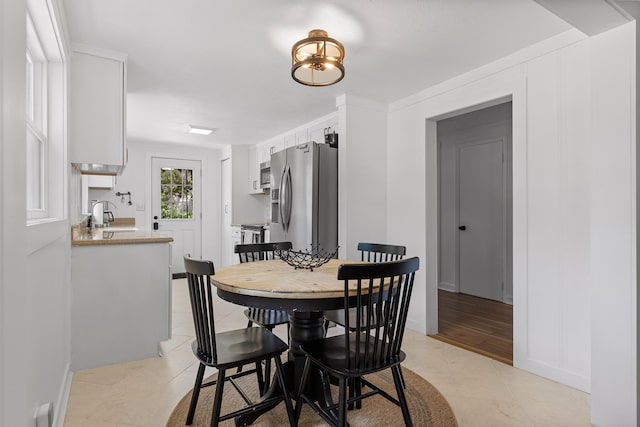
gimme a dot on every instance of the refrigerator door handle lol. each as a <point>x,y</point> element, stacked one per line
<point>285,198</point>
<point>289,196</point>
<point>281,200</point>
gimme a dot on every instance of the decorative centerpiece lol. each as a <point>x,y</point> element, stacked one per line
<point>309,259</point>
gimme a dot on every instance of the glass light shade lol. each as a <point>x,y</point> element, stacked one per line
<point>317,60</point>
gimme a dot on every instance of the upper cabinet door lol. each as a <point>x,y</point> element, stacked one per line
<point>97,108</point>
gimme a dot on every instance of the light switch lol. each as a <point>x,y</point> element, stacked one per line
<point>140,206</point>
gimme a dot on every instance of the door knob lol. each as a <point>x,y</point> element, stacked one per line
<point>462,227</point>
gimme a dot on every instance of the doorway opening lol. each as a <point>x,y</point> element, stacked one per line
<point>475,254</point>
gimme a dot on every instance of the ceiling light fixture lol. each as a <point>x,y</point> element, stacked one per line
<point>317,60</point>
<point>200,130</point>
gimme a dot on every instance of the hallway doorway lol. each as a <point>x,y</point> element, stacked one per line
<point>475,274</point>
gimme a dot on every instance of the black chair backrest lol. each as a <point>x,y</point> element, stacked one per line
<point>201,294</point>
<point>260,251</point>
<point>377,252</point>
<point>381,314</point>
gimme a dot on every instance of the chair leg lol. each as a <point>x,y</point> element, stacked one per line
<point>293,421</point>
<point>358,392</point>
<point>249,324</point>
<point>267,369</point>
<point>217,400</point>
<point>342,402</point>
<point>397,374</point>
<point>303,384</point>
<point>261,386</point>
<point>267,376</point>
<point>195,394</point>
<point>404,384</point>
<point>351,385</point>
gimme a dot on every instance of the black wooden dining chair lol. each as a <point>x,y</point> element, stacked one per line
<point>228,350</point>
<point>369,252</point>
<point>374,345</point>
<point>260,316</point>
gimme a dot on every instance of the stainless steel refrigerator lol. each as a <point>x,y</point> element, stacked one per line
<point>304,196</point>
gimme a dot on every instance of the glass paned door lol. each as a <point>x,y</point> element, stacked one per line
<point>176,203</point>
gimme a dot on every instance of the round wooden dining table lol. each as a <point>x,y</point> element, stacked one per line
<point>305,294</point>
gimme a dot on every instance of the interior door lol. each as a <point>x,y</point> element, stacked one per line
<point>176,206</point>
<point>481,211</point>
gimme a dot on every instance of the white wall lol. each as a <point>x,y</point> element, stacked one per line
<point>34,261</point>
<point>541,285</point>
<point>486,124</point>
<point>613,228</point>
<point>15,391</point>
<point>567,243</point>
<point>362,173</point>
<point>136,178</point>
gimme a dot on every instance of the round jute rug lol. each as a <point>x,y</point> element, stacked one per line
<point>427,406</point>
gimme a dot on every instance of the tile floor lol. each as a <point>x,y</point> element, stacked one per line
<point>481,391</point>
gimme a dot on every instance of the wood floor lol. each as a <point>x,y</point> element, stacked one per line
<point>476,324</point>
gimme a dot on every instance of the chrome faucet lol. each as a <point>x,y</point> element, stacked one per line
<point>100,215</point>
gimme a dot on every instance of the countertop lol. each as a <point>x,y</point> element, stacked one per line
<point>81,236</point>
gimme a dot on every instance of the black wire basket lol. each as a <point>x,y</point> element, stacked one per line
<point>309,259</point>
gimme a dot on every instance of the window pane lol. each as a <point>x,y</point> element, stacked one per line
<point>29,87</point>
<point>35,157</point>
<point>165,176</point>
<point>176,193</point>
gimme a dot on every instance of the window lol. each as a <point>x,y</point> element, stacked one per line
<point>36,113</point>
<point>45,113</point>
<point>176,193</point>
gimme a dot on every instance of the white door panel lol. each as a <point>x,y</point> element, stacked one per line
<point>481,219</point>
<point>176,202</point>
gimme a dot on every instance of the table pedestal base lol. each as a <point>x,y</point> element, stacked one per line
<point>304,327</point>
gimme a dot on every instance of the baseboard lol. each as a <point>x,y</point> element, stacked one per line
<point>63,398</point>
<point>416,326</point>
<point>449,287</point>
<point>553,373</point>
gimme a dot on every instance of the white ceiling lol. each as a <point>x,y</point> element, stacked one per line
<point>226,64</point>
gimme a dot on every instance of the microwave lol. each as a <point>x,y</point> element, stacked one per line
<point>265,173</point>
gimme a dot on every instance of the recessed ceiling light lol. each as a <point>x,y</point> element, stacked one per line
<point>200,130</point>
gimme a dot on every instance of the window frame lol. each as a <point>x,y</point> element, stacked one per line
<point>46,114</point>
<point>36,116</point>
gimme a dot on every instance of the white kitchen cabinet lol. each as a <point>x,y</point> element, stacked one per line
<point>101,182</point>
<point>301,137</point>
<point>120,302</point>
<point>271,147</point>
<point>316,132</point>
<point>254,171</point>
<point>289,140</point>
<point>97,108</point>
<point>259,154</point>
